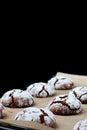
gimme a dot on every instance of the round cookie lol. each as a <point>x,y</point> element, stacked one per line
<point>17,98</point>
<point>2,111</point>
<point>61,82</point>
<point>66,104</point>
<point>41,115</point>
<point>80,93</point>
<point>81,125</point>
<point>41,90</point>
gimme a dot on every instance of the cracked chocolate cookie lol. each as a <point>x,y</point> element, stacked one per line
<point>81,125</point>
<point>61,82</point>
<point>41,90</point>
<point>80,93</point>
<point>41,115</point>
<point>2,111</point>
<point>66,104</point>
<point>17,98</point>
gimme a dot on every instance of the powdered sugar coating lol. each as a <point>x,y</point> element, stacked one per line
<point>41,90</point>
<point>81,125</point>
<point>2,111</point>
<point>35,114</point>
<point>17,98</point>
<point>66,104</point>
<point>61,82</point>
<point>81,93</point>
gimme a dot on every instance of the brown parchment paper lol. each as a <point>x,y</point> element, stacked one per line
<point>63,122</point>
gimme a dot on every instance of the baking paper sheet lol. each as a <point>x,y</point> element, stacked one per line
<point>63,122</point>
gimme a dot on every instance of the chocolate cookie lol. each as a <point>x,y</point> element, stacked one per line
<point>61,82</point>
<point>2,111</point>
<point>81,125</point>
<point>41,90</point>
<point>17,98</point>
<point>80,93</point>
<point>43,116</point>
<point>66,104</point>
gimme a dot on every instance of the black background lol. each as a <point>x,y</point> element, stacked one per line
<point>24,65</point>
<point>35,47</point>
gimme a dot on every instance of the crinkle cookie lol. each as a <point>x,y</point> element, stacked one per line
<point>80,93</point>
<point>2,111</point>
<point>66,104</point>
<point>41,90</point>
<point>35,114</point>
<point>17,98</point>
<point>61,82</point>
<point>81,125</point>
